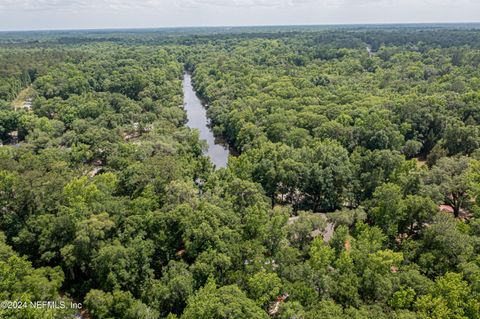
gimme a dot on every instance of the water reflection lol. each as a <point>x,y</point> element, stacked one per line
<point>197,119</point>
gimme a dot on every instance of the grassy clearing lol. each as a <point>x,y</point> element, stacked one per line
<point>26,93</point>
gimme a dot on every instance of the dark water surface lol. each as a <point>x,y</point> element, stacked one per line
<point>197,119</point>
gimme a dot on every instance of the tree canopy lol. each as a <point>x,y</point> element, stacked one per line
<point>353,189</point>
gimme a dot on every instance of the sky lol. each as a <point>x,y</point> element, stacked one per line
<point>99,14</point>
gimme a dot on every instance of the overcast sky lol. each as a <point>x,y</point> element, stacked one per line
<point>91,14</point>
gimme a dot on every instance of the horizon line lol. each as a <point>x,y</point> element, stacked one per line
<point>237,26</point>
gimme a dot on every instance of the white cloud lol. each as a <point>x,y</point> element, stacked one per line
<point>313,3</point>
<point>77,4</point>
<point>232,3</point>
<point>137,4</point>
<point>61,14</point>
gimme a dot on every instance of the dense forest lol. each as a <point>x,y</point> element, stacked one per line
<point>353,191</point>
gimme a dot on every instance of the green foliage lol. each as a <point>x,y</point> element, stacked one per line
<point>321,255</point>
<point>449,179</point>
<point>264,287</point>
<point>118,304</point>
<point>402,299</point>
<point>225,302</point>
<point>389,208</point>
<point>329,208</point>
<point>20,282</point>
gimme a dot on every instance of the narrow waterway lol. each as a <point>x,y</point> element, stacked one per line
<point>197,119</point>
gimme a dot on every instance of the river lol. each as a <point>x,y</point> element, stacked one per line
<point>197,119</point>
